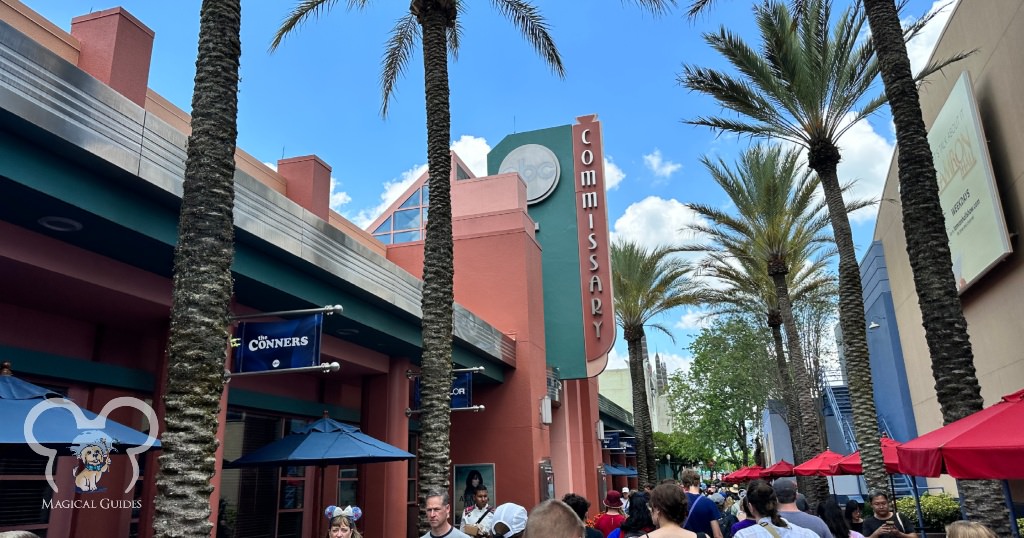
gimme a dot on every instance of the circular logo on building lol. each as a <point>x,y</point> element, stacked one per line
<point>537,165</point>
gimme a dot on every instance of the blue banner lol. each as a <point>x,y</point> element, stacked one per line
<point>278,345</point>
<point>462,391</point>
<point>611,440</point>
<point>630,444</point>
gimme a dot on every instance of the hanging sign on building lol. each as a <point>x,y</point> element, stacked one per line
<point>595,257</point>
<point>278,345</point>
<point>611,440</point>
<point>462,391</point>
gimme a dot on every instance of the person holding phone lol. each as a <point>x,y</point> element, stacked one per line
<point>884,522</point>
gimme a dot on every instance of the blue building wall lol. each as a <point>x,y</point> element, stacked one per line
<point>891,392</point>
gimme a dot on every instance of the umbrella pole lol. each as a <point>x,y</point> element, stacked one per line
<point>917,503</point>
<point>1013,513</point>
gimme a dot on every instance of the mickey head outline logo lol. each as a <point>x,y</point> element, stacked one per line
<point>84,423</point>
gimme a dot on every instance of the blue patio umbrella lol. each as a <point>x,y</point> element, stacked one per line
<point>324,442</point>
<point>58,422</point>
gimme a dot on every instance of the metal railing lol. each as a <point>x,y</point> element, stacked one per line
<point>830,378</point>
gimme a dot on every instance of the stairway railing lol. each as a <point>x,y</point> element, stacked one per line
<point>828,379</point>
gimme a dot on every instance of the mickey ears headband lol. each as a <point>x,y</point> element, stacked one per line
<point>351,512</point>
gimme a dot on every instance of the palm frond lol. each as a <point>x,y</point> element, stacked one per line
<point>697,7</point>
<point>527,18</point>
<point>397,51</point>
<point>656,7</point>
<point>302,11</point>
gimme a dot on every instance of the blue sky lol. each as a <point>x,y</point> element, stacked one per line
<point>319,94</point>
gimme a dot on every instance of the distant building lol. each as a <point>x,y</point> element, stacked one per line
<point>617,385</point>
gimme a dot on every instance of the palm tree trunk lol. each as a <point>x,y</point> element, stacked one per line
<point>202,282</point>
<point>786,385</point>
<point>811,441</point>
<point>824,158</point>
<point>956,382</point>
<point>434,458</point>
<point>645,458</point>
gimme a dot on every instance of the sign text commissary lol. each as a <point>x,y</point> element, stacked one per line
<point>592,223</point>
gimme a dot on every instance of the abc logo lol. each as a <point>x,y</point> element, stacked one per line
<point>537,165</point>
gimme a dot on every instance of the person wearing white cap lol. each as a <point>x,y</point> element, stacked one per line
<point>508,521</point>
<point>625,498</point>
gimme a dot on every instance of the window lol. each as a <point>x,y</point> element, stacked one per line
<point>407,222</point>
<point>405,237</point>
<point>407,219</point>
<point>384,226</point>
<point>348,485</point>
<point>412,201</point>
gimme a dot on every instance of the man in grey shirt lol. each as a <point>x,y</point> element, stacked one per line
<point>438,509</point>
<point>785,490</point>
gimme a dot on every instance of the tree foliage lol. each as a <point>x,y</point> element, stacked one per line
<point>717,403</point>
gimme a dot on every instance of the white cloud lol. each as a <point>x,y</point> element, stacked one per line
<point>613,175</point>
<point>617,361</point>
<point>338,197</point>
<point>661,167</point>
<point>655,221</point>
<point>920,48</point>
<point>392,190</point>
<point>865,160</point>
<point>693,319</point>
<point>473,151</point>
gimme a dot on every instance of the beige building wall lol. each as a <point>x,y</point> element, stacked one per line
<point>994,306</point>
<point>617,386</point>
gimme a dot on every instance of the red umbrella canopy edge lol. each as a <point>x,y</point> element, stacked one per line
<point>987,445</point>
<point>820,465</point>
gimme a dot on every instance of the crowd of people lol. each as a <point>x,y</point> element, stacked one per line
<point>683,509</point>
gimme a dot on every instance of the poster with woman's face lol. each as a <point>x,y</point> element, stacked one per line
<point>465,479</point>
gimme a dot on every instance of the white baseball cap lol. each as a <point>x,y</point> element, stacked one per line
<point>512,516</point>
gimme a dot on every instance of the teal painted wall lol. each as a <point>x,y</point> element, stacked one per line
<point>558,237</point>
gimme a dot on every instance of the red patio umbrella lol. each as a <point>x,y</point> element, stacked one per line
<point>748,473</point>
<point>780,469</point>
<point>729,477</point>
<point>820,465</point>
<point>852,465</point>
<point>988,444</point>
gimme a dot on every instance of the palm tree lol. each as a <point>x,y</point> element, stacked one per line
<point>201,299</point>
<point>777,222</point>
<point>956,383</point>
<point>647,282</point>
<point>435,23</point>
<point>807,85</point>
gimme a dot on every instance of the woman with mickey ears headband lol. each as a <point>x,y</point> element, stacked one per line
<point>343,521</point>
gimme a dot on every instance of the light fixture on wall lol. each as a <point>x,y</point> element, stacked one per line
<point>545,410</point>
<point>599,427</point>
